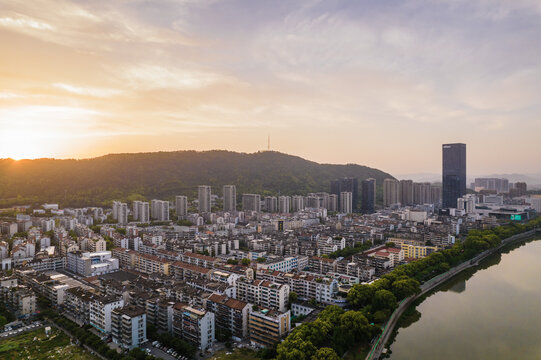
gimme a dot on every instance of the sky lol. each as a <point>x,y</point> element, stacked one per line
<point>377,83</point>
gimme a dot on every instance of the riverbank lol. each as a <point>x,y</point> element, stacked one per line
<point>370,306</point>
<point>488,312</point>
<point>429,285</point>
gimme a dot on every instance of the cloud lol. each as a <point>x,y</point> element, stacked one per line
<point>9,95</point>
<point>96,92</point>
<point>336,72</point>
<point>89,27</point>
<point>24,22</point>
<point>148,76</point>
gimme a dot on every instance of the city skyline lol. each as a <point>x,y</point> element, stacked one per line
<point>365,82</point>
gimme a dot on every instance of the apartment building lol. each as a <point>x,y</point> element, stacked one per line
<point>20,300</point>
<point>194,325</point>
<point>77,304</point>
<point>101,308</point>
<point>306,286</point>
<point>263,293</point>
<point>149,264</point>
<point>284,264</point>
<point>129,327</point>
<point>231,315</point>
<point>199,259</point>
<point>126,258</point>
<point>267,327</point>
<point>417,251</point>
<point>321,265</point>
<point>185,271</point>
<point>91,264</point>
<point>160,314</point>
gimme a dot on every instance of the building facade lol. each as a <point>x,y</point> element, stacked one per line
<point>230,198</point>
<point>368,203</point>
<point>181,205</point>
<point>129,326</point>
<point>203,196</point>
<point>453,174</point>
<point>390,192</point>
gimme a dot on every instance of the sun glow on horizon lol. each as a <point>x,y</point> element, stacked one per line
<point>33,132</point>
<point>329,81</point>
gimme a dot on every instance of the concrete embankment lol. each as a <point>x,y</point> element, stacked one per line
<point>378,347</point>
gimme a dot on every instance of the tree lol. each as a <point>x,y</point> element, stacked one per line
<point>294,347</point>
<point>292,297</point>
<point>325,353</point>
<point>260,259</point>
<point>232,261</point>
<point>380,316</point>
<point>245,262</point>
<point>405,287</point>
<point>353,324</point>
<point>384,299</point>
<point>331,314</point>
<point>360,295</point>
<point>383,283</point>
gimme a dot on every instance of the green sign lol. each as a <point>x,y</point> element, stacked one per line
<point>516,217</point>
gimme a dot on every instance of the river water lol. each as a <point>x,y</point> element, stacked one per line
<point>492,312</point>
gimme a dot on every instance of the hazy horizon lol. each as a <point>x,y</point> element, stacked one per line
<point>381,84</point>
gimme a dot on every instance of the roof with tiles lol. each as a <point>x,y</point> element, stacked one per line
<point>191,267</point>
<point>199,256</point>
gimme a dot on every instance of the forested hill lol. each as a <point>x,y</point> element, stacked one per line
<point>163,175</point>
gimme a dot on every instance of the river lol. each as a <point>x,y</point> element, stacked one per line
<point>492,312</point>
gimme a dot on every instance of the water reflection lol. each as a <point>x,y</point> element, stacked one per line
<point>494,316</point>
<point>458,287</point>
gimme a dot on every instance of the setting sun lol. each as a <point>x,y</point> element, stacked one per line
<point>31,132</point>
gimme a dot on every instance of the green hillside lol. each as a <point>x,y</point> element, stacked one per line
<point>100,180</point>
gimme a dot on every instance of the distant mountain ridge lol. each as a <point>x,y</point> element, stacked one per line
<point>100,180</point>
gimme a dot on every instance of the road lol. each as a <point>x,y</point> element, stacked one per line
<point>34,326</point>
<point>154,351</point>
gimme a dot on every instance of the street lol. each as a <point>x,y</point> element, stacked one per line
<point>7,334</point>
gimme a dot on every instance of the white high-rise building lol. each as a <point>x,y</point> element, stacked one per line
<point>298,203</point>
<point>284,204</point>
<point>135,210</point>
<point>144,212</point>
<point>251,202</point>
<point>181,204</point>
<point>390,192</point>
<point>204,198</point>
<point>120,212</point>
<point>160,210</point>
<point>141,211</point>
<point>333,203</point>
<point>346,202</point>
<point>467,203</point>
<point>128,326</point>
<point>271,204</point>
<point>100,312</point>
<point>230,198</point>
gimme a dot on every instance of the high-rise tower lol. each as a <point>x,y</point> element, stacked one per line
<point>230,198</point>
<point>453,174</point>
<point>204,198</point>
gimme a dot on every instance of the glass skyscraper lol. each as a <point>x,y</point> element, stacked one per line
<point>453,174</point>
